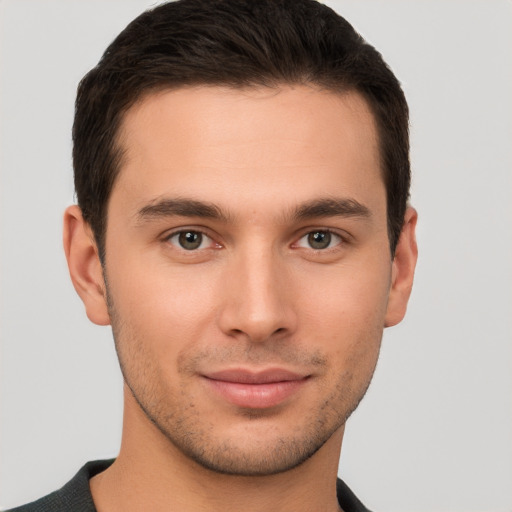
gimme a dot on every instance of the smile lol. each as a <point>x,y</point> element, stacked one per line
<point>258,390</point>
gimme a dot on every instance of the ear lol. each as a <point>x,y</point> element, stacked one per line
<point>85,266</point>
<point>402,272</point>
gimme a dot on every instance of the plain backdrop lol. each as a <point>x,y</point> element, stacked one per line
<point>434,432</point>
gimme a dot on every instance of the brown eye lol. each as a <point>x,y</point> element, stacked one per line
<point>319,239</point>
<point>189,240</point>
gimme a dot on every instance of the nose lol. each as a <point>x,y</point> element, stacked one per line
<point>257,300</point>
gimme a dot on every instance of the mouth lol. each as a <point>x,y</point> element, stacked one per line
<point>255,390</point>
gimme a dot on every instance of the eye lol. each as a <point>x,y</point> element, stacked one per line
<point>320,240</point>
<point>190,240</point>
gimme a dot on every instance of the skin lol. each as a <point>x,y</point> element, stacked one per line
<point>293,273</point>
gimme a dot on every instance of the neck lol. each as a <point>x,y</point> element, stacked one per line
<point>150,470</point>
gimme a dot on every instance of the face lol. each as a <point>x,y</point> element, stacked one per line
<point>248,269</point>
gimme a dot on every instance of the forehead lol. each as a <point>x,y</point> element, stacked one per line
<point>213,143</point>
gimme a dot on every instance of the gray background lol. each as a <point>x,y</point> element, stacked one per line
<point>435,430</point>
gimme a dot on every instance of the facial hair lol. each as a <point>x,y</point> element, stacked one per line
<point>178,415</point>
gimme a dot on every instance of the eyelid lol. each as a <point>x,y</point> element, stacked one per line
<point>344,238</point>
<point>166,237</point>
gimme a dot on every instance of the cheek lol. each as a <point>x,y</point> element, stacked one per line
<point>350,298</point>
<point>344,313</point>
<point>165,308</point>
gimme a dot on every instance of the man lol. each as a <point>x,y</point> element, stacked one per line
<point>242,176</point>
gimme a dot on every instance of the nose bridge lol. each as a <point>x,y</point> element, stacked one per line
<point>257,300</point>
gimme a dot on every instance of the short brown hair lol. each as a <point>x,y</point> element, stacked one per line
<point>234,43</point>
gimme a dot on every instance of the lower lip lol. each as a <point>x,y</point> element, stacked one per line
<point>256,396</point>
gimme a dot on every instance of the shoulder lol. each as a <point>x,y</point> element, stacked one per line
<point>75,496</point>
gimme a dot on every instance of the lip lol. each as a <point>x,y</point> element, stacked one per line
<point>255,389</point>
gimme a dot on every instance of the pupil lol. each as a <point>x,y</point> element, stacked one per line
<point>190,240</point>
<point>319,239</point>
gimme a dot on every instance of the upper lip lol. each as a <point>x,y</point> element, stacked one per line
<point>244,376</point>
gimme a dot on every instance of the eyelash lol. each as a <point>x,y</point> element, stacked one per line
<point>342,240</point>
<point>180,232</point>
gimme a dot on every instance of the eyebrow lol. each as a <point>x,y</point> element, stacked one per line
<point>182,207</point>
<point>331,207</point>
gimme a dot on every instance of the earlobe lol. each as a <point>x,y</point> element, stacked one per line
<point>402,275</point>
<point>85,266</point>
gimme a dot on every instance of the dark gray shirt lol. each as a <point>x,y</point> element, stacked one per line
<point>76,496</point>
